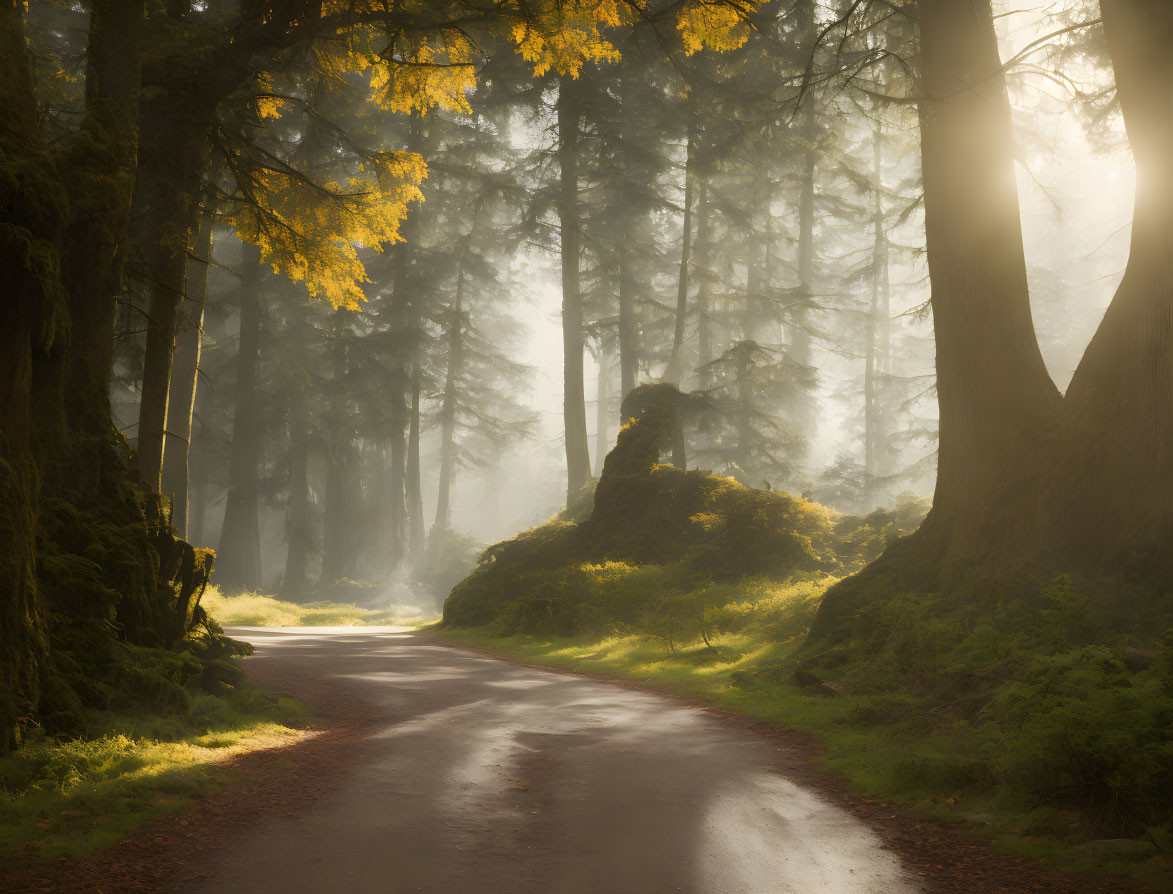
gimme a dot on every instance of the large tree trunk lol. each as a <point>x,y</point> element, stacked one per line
<point>578,463</point>
<point>997,402</point>
<point>993,389</point>
<point>1120,401</point>
<point>75,537</point>
<point>184,379</point>
<point>28,318</point>
<point>240,539</point>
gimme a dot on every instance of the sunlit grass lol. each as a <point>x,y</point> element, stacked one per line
<point>69,798</point>
<point>256,610</point>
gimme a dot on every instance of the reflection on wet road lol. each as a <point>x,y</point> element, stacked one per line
<point>483,776</point>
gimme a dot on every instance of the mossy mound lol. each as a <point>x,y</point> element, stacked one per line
<point>694,526</point>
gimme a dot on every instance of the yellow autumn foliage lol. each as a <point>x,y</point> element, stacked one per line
<point>315,238</point>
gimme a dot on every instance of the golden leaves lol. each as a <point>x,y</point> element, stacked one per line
<point>565,34</point>
<point>313,233</point>
<point>720,25</point>
<point>426,71</point>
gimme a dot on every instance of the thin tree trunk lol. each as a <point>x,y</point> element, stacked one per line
<point>628,352</point>
<point>452,381</point>
<point>602,410</point>
<point>876,355</point>
<point>414,491</point>
<point>300,534</point>
<point>239,564</point>
<point>172,156</point>
<point>339,545</point>
<point>704,275</point>
<point>672,373</point>
<point>578,463</point>
<point>184,380</point>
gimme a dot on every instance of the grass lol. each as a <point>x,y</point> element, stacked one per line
<point>70,798</point>
<point>256,610</point>
<point>892,744</point>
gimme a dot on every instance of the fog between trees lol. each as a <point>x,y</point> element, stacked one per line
<point>366,287</point>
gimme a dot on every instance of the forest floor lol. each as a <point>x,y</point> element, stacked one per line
<point>437,768</point>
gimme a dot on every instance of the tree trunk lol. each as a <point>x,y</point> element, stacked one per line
<point>602,409</point>
<point>993,389</point>
<point>184,380</point>
<point>240,539</point>
<point>171,160</point>
<point>300,534</point>
<point>672,373</point>
<point>997,402</point>
<point>578,463</point>
<point>704,275</point>
<point>339,545</point>
<point>628,352</point>
<point>876,354</point>
<point>413,489</point>
<point>452,381</point>
<point>26,329</point>
<point>1120,401</point>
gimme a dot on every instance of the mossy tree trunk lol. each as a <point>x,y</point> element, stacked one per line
<point>82,554</point>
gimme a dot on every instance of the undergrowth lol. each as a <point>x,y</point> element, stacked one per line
<point>70,797</point>
<point>256,610</point>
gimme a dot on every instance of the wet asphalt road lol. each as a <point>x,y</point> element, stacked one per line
<point>485,777</point>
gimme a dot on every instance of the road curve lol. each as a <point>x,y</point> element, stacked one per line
<point>478,776</point>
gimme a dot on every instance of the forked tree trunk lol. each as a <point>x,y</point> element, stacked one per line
<point>184,379</point>
<point>239,562</point>
<point>578,462</point>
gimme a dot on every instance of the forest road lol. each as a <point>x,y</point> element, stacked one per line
<point>478,775</point>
